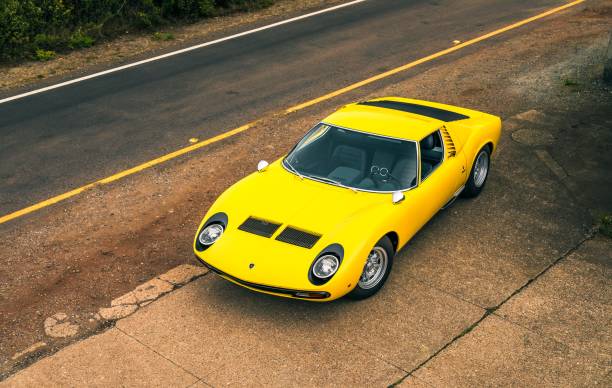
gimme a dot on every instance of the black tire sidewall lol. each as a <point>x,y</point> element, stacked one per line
<point>471,190</point>
<point>360,293</point>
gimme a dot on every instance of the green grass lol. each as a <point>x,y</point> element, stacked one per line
<point>605,226</point>
<point>80,40</point>
<point>45,55</point>
<point>569,82</point>
<point>163,36</point>
<point>33,29</point>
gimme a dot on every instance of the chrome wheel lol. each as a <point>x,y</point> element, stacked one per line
<point>481,168</point>
<point>374,269</point>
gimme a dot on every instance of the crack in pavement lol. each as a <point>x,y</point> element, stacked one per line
<point>200,381</point>
<point>110,322</point>
<point>376,356</point>
<point>198,378</point>
<point>491,310</point>
<point>443,291</point>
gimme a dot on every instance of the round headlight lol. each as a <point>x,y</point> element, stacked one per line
<point>325,266</point>
<point>210,234</point>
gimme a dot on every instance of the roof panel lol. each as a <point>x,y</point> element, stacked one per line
<point>384,122</point>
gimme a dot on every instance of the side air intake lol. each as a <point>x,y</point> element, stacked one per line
<point>448,142</point>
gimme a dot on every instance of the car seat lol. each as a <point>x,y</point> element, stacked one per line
<point>349,164</point>
<point>427,144</point>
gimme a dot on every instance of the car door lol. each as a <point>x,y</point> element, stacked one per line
<point>435,189</point>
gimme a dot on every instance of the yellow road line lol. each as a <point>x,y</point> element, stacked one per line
<point>429,58</point>
<point>125,173</point>
<point>295,108</point>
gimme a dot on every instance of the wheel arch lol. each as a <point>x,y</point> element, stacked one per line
<point>394,238</point>
<point>486,143</point>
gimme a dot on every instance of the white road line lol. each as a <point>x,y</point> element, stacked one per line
<point>181,51</point>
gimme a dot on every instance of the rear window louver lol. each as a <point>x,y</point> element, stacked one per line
<point>421,110</point>
<point>298,237</point>
<point>259,227</point>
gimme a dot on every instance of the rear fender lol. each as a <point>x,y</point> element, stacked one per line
<point>475,133</point>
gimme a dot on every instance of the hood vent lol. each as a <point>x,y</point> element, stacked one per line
<point>298,237</point>
<point>259,227</point>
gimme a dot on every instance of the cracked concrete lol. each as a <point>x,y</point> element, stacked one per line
<point>151,290</point>
<point>128,299</point>
<point>492,310</point>
<point>117,312</point>
<point>183,274</point>
<point>59,326</point>
<point>147,292</point>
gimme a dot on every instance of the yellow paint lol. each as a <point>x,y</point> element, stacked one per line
<point>295,108</point>
<point>124,173</point>
<point>356,220</point>
<point>429,58</point>
<point>394,123</point>
<point>193,140</point>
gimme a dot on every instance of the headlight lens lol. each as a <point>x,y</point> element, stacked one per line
<point>210,234</point>
<point>325,266</point>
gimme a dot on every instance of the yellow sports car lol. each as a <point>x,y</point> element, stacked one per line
<point>326,220</point>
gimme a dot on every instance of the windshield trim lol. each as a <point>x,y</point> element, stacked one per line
<point>418,155</point>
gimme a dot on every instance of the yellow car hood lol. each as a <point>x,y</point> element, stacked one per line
<point>279,196</point>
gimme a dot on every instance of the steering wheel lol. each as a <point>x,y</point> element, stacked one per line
<point>382,172</point>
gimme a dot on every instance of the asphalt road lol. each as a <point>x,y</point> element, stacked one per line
<point>61,139</point>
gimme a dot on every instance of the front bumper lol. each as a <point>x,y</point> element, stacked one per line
<point>289,293</point>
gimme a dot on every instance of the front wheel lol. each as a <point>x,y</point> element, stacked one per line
<point>375,271</point>
<point>478,175</point>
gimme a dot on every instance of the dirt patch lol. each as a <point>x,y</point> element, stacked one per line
<point>78,256</point>
<point>533,137</point>
<point>137,46</point>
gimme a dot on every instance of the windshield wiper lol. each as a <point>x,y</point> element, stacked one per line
<point>335,182</point>
<point>293,169</point>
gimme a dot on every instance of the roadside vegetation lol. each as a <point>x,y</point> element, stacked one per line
<point>605,226</point>
<point>39,29</point>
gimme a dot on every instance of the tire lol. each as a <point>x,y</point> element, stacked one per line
<point>476,180</point>
<point>384,250</point>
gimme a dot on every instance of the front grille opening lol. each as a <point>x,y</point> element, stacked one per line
<point>260,227</point>
<point>298,237</point>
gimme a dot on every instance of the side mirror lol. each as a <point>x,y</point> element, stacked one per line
<point>397,197</point>
<point>261,166</point>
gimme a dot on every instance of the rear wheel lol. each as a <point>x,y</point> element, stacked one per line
<point>375,271</point>
<point>478,175</point>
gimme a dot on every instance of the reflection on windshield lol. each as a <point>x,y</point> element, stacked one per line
<point>355,159</point>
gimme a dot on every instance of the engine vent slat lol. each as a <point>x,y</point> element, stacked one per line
<point>298,237</point>
<point>260,227</point>
<point>448,141</point>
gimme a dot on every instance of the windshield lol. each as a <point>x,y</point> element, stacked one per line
<point>354,159</point>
